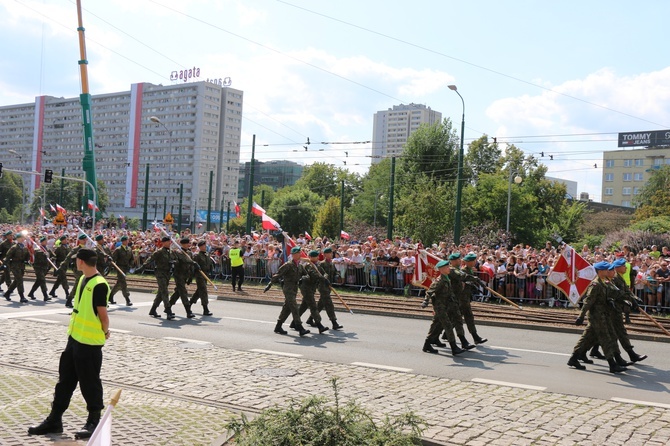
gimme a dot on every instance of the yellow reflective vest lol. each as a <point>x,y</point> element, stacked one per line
<point>85,326</point>
<point>235,257</point>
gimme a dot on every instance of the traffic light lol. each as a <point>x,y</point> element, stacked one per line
<point>48,175</point>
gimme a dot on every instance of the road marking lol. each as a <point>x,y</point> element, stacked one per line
<point>34,319</point>
<point>272,352</point>
<point>190,341</point>
<point>641,403</point>
<point>248,320</point>
<point>117,330</point>
<point>381,366</point>
<point>135,304</point>
<point>531,351</point>
<point>27,314</point>
<point>507,384</point>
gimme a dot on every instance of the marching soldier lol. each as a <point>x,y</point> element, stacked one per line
<point>442,297</point>
<point>103,253</point>
<point>292,272</point>
<point>206,264</point>
<point>41,267</point>
<point>462,281</point>
<point>315,278</point>
<point>16,259</point>
<point>7,243</point>
<point>62,268</point>
<point>122,256</point>
<point>163,260</point>
<point>626,300</point>
<point>599,295</point>
<point>325,300</point>
<point>183,271</point>
<point>60,254</point>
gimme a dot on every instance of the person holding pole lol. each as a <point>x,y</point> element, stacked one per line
<point>41,267</point>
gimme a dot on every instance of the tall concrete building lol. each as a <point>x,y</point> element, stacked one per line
<point>276,173</point>
<point>198,134</point>
<point>625,172</point>
<point>392,128</point>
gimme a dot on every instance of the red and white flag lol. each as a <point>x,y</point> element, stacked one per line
<point>256,209</point>
<point>290,244</point>
<point>269,223</point>
<point>255,235</point>
<point>571,274</point>
<point>424,270</point>
<point>53,209</point>
<point>237,209</point>
<point>60,208</point>
<point>344,235</point>
<point>307,236</point>
<point>91,205</point>
<point>42,213</point>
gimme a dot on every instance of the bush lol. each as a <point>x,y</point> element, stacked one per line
<point>313,422</point>
<point>658,225</point>
<point>637,240</point>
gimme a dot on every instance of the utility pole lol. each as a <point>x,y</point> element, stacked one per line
<point>209,199</point>
<point>341,208</point>
<point>389,229</point>
<point>251,185</point>
<point>146,198</point>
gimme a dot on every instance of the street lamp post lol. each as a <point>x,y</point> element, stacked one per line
<point>517,180</point>
<point>459,176</point>
<point>157,120</point>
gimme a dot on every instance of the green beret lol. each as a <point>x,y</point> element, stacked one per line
<point>124,238</point>
<point>185,240</point>
<point>455,256</point>
<point>18,235</point>
<point>442,263</point>
<point>62,237</point>
<point>165,239</point>
<point>7,234</point>
<point>295,250</point>
<point>470,257</point>
<point>202,242</point>
<point>328,250</point>
<point>82,237</point>
<point>314,253</point>
<point>86,254</point>
<point>99,237</point>
<point>43,238</point>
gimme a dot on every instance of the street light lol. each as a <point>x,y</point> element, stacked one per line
<point>157,120</point>
<point>459,175</point>
<point>517,180</point>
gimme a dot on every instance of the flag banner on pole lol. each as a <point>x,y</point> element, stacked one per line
<point>257,210</point>
<point>307,236</point>
<point>255,235</point>
<point>42,213</point>
<point>424,270</point>
<point>571,274</point>
<point>269,223</point>
<point>237,209</point>
<point>102,436</point>
<point>91,205</point>
<point>53,209</point>
<point>290,244</point>
<point>344,235</point>
<point>60,208</point>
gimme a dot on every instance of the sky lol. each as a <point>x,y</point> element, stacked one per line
<point>553,78</point>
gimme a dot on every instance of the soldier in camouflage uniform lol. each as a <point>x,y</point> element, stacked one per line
<point>104,255</point>
<point>122,256</point>
<point>316,278</point>
<point>292,272</point>
<point>41,266</point>
<point>16,259</point>
<point>206,264</point>
<point>462,282</point>
<point>62,268</point>
<point>625,299</point>
<point>7,243</point>
<point>442,297</point>
<point>163,260</point>
<point>183,272</point>
<point>60,254</point>
<point>599,295</point>
<point>325,300</point>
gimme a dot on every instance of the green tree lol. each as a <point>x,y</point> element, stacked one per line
<point>325,180</point>
<point>425,212</point>
<point>6,217</point>
<point>10,191</point>
<point>374,195</point>
<point>654,198</point>
<point>327,222</point>
<point>72,197</point>
<point>482,157</point>
<point>657,225</point>
<point>295,209</point>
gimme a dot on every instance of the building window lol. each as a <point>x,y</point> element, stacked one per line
<point>609,177</point>
<point>638,176</point>
<point>628,177</point>
<point>636,191</point>
<point>658,161</point>
<point>609,191</point>
<point>627,163</point>
<point>625,203</point>
<point>609,163</point>
<point>639,162</point>
<point>625,191</point>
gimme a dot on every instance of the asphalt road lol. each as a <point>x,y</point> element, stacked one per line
<point>514,357</point>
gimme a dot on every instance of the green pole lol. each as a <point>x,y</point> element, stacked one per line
<point>459,177</point>
<point>209,199</point>
<point>146,199</point>
<point>389,229</point>
<point>181,197</point>
<point>341,208</point>
<point>62,185</point>
<point>251,184</point>
<point>228,219</point>
<point>221,218</point>
<point>263,198</point>
<point>164,207</point>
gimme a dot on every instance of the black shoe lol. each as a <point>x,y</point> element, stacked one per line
<point>207,313</point>
<point>574,362</point>
<point>170,316</point>
<point>310,322</point>
<point>190,314</point>
<point>52,293</point>
<point>239,288</point>
<point>292,326</point>
<point>614,367</point>
<point>112,302</point>
<point>47,298</point>
<point>280,330</point>
<point>455,349</point>
<point>154,314</point>
<point>31,296</point>
<point>595,353</point>
<point>51,425</point>
<point>86,431</point>
<point>437,343</point>
<point>336,326</point>
<point>7,296</point>
<point>584,359</point>
<point>635,357</point>
<point>465,345</point>
<point>24,300</point>
<point>302,331</point>
<point>321,327</point>
<point>427,348</point>
<point>620,361</point>
<point>478,339</point>
<point>68,304</point>
<point>128,303</point>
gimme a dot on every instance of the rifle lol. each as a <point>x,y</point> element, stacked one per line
<point>332,289</point>
<point>100,249</point>
<point>654,321</point>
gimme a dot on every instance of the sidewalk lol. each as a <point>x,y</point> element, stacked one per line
<point>183,394</point>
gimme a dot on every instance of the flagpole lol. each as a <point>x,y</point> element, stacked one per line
<point>95,437</point>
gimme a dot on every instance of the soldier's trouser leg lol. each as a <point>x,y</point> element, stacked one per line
<point>163,293</point>
<point>621,333</point>
<point>585,342</point>
<point>6,277</point>
<point>466,311</point>
<point>303,306</point>
<point>313,310</point>
<point>290,307</point>
<point>440,322</point>
<point>455,319</point>
<point>182,292</point>
<point>17,283</point>
<point>120,285</point>
<point>326,302</point>
<point>70,296</point>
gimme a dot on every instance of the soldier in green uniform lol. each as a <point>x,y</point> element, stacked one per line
<point>7,243</point>
<point>104,255</point>
<point>16,259</point>
<point>292,272</point>
<point>163,260</point>
<point>325,300</point>
<point>41,267</point>
<point>626,299</point>
<point>71,255</point>
<point>315,278</point>
<point>206,264</point>
<point>183,271</point>
<point>60,254</point>
<point>599,295</point>
<point>122,256</point>
<point>442,297</point>
<point>461,281</point>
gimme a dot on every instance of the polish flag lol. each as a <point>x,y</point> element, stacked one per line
<point>255,235</point>
<point>290,244</point>
<point>256,209</point>
<point>53,209</point>
<point>42,213</point>
<point>344,235</point>
<point>237,209</point>
<point>307,236</point>
<point>269,223</point>
<point>91,205</point>
<point>60,208</point>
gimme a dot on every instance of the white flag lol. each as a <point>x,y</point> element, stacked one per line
<point>102,436</point>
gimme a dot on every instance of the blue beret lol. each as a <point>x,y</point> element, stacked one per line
<point>601,266</point>
<point>470,257</point>
<point>619,262</point>
<point>454,256</point>
<point>442,263</point>
<point>295,250</point>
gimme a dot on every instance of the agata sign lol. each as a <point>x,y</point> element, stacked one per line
<point>185,75</point>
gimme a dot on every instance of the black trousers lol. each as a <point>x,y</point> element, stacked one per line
<point>236,274</point>
<point>79,364</point>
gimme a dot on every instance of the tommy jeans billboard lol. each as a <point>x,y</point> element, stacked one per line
<point>646,138</point>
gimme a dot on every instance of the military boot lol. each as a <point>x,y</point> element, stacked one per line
<point>88,429</point>
<point>336,326</point>
<point>205,311</point>
<point>189,313</point>
<point>478,339</point>
<point>111,300</point>
<point>428,348</point>
<point>68,303</point>
<point>574,362</point>
<point>321,327</point>
<point>53,424</point>
<point>46,298</point>
<point>634,356</point>
<point>622,362</point>
<point>310,322</point>
<point>584,359</point>
<point>301,330</point>
<point>595,353</point>
<point>465,345</point>
<point>23,300</point>
<point>280,330</point>
<point>455,349</point>
<point>7,295</point>
<point>128,302</point>
<point>153,313</point>
<point>437,343</point>
<point>614,367</point>
<point>292,325</point>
